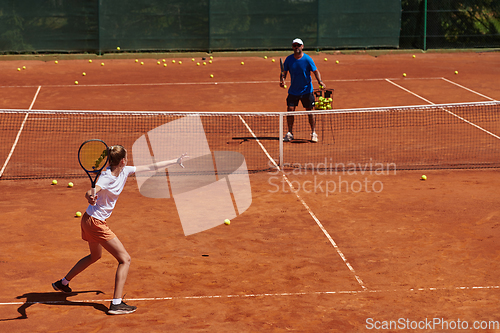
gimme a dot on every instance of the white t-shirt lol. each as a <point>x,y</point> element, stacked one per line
<point>111,187</point>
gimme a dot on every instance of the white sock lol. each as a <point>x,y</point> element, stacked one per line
<point>64,282</point>
<point>117,301</point>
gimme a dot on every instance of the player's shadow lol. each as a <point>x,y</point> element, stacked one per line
<point>242,139</point>
<point>55,298</point>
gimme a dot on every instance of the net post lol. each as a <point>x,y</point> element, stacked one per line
<point>99,26</point>
<point>281,140</point>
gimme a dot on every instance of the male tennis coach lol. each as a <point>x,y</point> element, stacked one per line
<point>300,66</point>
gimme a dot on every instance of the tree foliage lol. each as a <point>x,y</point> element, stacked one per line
<point>451,23</point>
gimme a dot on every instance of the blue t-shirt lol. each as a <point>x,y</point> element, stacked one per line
<point>300,74</point>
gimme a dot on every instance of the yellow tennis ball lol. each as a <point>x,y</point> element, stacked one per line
<point>211,57</point>
<point>404,74</point>
<point>70,184</point>
<point>90,60</point>
<point>24,67</point>
<point>413,56</point>
<point>118,48</point>
<point>326,59</point>
<point>273,60</point>
<point>102,64</point>
<point>18,69</point>
<point>210,61</point>
<point>142,62</point>
<point>204,63</point>
<point>56,62</point>
<point>164,65</point>
<point>173,61</point>
<point>158,62</point>
<point>337,62</point>
<point>211,75</point>
<point>284,86</point>
<point>84,73</point>
<point>78,214</point>
<point>198,64</point>
<point>424,177</point>
<point>180,62</point>
<point>163,60</point>
<point>227,222</point>
<point>192,59</point>
<point>76,82</point>
<point>242,63</point>
<point>54,182</point>
<point>456,72</point>
<point>265,57</point>
<point>136,60</point>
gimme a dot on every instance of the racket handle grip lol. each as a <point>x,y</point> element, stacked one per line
<point>92,191</point>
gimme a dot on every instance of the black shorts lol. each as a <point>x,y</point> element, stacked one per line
<point>307,100</point>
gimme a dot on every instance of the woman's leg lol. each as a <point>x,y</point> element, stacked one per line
<point>95,254</point>
<point>117,250</point>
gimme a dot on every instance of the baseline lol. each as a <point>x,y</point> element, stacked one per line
<point>205,83</point>
<point>314,293</point>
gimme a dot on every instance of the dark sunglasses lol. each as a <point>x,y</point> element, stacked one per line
<point>296,44</point>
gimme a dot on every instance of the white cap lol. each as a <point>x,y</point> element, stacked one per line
<point>297,41</point>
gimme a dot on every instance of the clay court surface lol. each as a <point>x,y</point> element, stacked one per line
<point>401,249</point>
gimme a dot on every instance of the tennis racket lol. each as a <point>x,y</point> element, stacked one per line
<point>93,156</point>
<point>282,73</point>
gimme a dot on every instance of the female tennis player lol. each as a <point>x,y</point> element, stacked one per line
<point>95,230</point>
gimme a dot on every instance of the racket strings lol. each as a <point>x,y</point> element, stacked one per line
<point>100,159</point>
<point>93,156</point>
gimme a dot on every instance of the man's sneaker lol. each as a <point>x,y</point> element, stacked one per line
<point>288,137</point>
<point>58,286</point>
<point>314,137</point>
<point>121,308</point>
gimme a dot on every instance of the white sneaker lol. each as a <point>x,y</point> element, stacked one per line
<point>288,137</point>
<point>314,137</point>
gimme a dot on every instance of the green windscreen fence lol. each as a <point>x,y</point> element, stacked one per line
<point>198,25</point>
<point>48,26</point>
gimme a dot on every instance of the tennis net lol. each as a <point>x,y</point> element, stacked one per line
<point>44,143</point>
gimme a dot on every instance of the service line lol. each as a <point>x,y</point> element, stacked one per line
<point>472,91</point>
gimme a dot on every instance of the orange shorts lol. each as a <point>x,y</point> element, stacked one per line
<point>94,230</point>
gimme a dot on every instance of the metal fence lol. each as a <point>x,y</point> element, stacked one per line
<point>100,26</point>
<point>441,24</point>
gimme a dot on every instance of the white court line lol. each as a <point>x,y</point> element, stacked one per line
<point>19,133</point>
<point>314,293</point>
<point>453,114</point>
<point>318,222</point>
<point>472,91</point>
<point>207,83</point>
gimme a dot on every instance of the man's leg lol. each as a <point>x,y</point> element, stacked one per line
<point>290,119</point>
<point>312,122</point>
<point>308,103</point>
